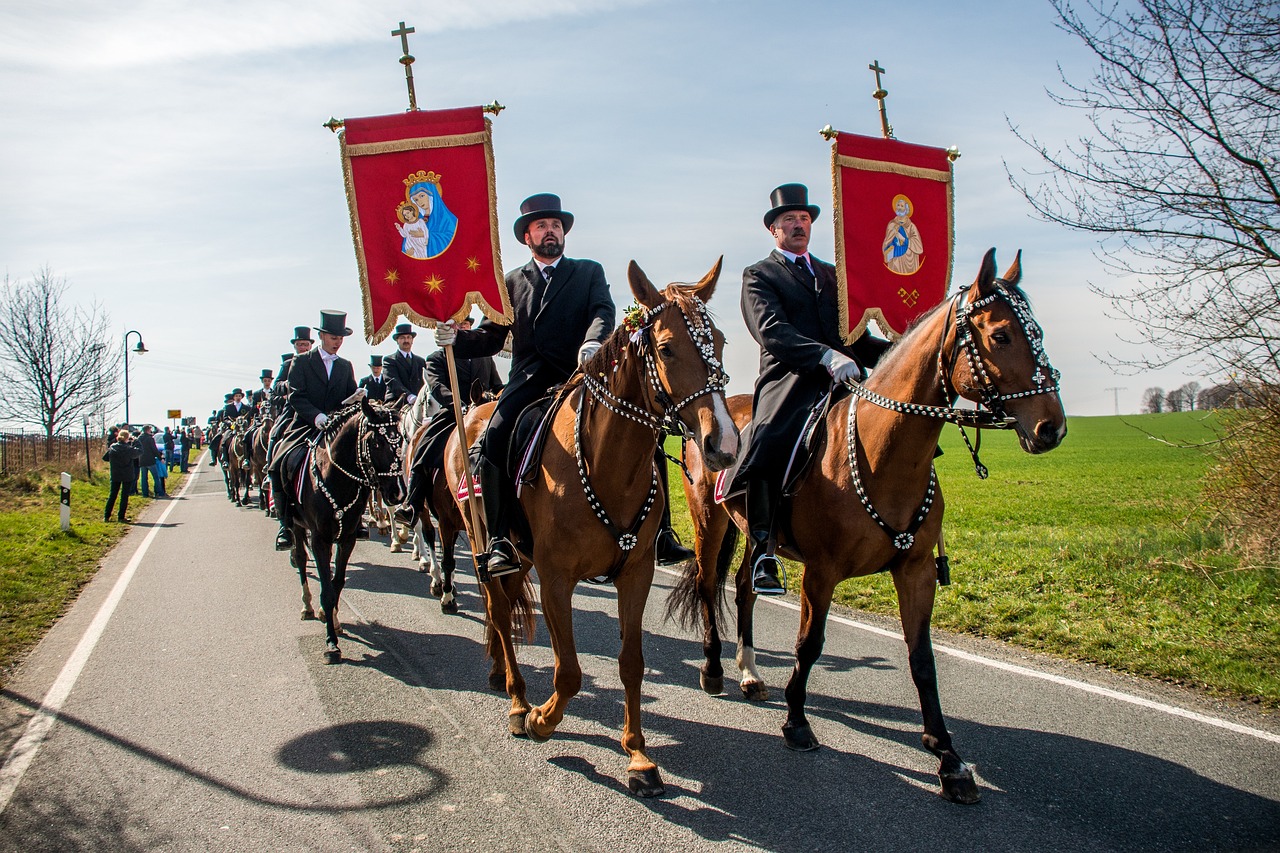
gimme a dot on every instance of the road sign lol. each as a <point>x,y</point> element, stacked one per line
<point>175,413</point>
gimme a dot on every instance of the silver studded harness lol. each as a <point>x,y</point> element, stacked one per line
<point>367,479</point>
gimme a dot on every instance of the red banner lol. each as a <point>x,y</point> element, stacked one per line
<point>423,206</point>
<point>894,234</point>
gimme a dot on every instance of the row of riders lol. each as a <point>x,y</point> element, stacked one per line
<point>821,465</point>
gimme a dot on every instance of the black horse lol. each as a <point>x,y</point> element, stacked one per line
<point>356,452</point>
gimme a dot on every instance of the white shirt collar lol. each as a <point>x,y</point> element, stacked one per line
<point>791,256</point>
<point>542,268</point>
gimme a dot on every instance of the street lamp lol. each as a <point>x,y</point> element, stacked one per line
<point>139,349</point>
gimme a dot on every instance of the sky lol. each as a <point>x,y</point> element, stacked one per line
<point>169,160</point>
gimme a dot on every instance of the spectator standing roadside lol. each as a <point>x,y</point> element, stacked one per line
<point>147,459</point>
<point>122,454</point>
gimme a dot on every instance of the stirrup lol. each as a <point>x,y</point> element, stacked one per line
<point>503,562</point>
<point>768,568</point>
<point>284,539</point>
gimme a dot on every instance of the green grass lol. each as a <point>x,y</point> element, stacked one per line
<point>1100,551</point>
<point>42,569</point>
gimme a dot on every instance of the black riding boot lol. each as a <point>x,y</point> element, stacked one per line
<point>284,539</point>
<point>669,550</point>
<point>410,509</point>
<point>494,489</point>
<point>767,574</point>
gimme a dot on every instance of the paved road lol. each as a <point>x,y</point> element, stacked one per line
<point>204,719</point>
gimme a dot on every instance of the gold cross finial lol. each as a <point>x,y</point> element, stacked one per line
<point>407,62</point>
<point>880,94</point>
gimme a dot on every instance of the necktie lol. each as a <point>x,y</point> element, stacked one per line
<point>548,271</point>
<point>804,269</point>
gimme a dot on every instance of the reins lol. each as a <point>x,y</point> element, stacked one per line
<point>367,480</point>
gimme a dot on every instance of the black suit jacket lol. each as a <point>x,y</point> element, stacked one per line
<point>384,388</point>
<point>311,391</point>
<point>795,321</point>
<point>406,371</point>
<point>576,307</point>
<point>230,412</point>
<point>475,377</point>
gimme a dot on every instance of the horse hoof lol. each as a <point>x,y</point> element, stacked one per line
<point>645,783</point>
<point>437,588</point>
<point>755,691</point>
<point>396,548</point>
<point>332,654</point>
<point>308,614</point>
<point>450,607</point>
<point>515,724</point>
<point>960,787</point>
<point>712,684</point>
<point>422,568</point>
<point>531,727</point>
<point>799,738</point>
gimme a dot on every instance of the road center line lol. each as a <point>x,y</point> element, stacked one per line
<point>1072,683</point>
<point>38,727</point>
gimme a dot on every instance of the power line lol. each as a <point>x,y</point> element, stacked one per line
<point>1116,393</point>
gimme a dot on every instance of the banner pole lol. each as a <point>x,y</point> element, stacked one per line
<point>480,537</point>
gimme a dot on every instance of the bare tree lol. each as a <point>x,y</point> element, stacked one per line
<point>1189,395</point>
<point>1153,401</point>
<point>1179,176</point>
<point>56,366</point>
<point>1173,401</point>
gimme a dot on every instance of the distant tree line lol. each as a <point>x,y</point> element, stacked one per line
<point>1191,397</point>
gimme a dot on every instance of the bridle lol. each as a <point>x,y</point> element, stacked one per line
<point>367,478</point>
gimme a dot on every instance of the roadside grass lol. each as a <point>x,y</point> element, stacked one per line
<point>1100,552</point>
<point>42,569</point>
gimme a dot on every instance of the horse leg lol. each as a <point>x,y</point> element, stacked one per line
<point>448,563</point>
<point>643,778</point>
<point>340,579</point>
<point>425,548</point>
<point>815,604</point>
<point>298,556</point>
<point>323,552</point>
<point>499,596</point>
<point>915,582</point>
<point>557,611</point>
<point>710,540</point>
<point>752,685</point>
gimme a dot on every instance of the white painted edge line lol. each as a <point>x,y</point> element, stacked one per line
<point>24,751</point>
<point>1072,683</point>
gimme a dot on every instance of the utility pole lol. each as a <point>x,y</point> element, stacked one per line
<point>1116,394</point>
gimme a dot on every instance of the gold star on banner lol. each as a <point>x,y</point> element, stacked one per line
<point>435,285</point>
<point>473,264</point>
<point>392,277</point>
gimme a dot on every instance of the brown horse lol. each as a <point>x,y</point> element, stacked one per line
<point>258,436</point>
<point>596,487</point>
<point>870,501</point>
<point>238,462</point>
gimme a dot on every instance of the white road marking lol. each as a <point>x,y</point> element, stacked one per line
<point>25,750</point>
<point>1063,681</point>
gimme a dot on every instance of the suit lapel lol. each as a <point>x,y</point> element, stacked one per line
<point>564,271</point>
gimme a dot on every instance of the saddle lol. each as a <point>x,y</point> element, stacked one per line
<point>801,456</point>
<point>529,437</point>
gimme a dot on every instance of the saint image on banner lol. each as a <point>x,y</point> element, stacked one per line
<point>902,247</point>
<point>429,233</point>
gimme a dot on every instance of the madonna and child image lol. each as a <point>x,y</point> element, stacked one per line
<point>427,227</point>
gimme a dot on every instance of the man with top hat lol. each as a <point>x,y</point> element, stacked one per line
<point>563,312</point>
<point>790,301</point>
<point>261,395</point>
<point>403,366</point>
<point>320,381</point>
<point>379,386</point>
<point>478,381</point>
<point>302,342</point>
<point>237,407</point>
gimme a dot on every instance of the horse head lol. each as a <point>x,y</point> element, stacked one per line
<point>685,358</point>
<point>381,442</point>
<point>1006,368</point>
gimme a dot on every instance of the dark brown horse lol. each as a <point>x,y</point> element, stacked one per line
<point>258,436</point>
<point>594,504</point>
<point>239,478</point>
<point>870,501</point>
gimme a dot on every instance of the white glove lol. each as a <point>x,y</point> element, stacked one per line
<point>587,350</point>
<point>446,334</point>
<point>842,368</point>
<point>412,398</point>
<point>321,420</point>
<point>358,395</point>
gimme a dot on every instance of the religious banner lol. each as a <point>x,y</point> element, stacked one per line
<point>423,204</point>
<point>894,234</point>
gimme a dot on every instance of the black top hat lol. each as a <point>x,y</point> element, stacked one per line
<point>375,361</point>
<point>266,373</point>
<point>334,323</point>
<point>235,391</point>
<point>404,329</point>
<point>301,333</point>
<point>286,358</point>
<point>789,197</point>
<point>227,397</point>
<point>541,206</point>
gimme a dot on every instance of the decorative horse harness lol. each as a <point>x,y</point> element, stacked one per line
<point>368,476</point>
<point>995,417</point>
<point>640,320</point>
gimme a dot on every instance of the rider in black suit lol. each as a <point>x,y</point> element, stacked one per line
<point>403,366</point>
<point>563,312</point>
<point>790,304</point>
<point>320,381</point>
<point>378,385</point>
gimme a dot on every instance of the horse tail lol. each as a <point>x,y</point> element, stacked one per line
<point>524,623</point>
<point>684,603</point>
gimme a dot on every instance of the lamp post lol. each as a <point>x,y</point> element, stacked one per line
<point>139,349</point>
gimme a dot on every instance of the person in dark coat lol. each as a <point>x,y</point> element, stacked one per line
<point>378,385</point>
<point>261,395</point>
<point>302,342</point>
<point>122,454</point>
<point>147,456</point>
<point>563,312</point>
<point>405,367</point>
<point>237,407</point>
<point>790,304</point>
<point>478,381</point>
<point>320,381</point>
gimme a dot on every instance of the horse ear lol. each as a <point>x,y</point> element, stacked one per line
<point>366,407</point>
<point>706,287</point>
<point>1014,274</point>
<point>641,288</point>
<point>986,277</point>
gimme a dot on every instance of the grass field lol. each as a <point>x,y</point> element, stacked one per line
<point>42,568</point>
<point>1101,552</point>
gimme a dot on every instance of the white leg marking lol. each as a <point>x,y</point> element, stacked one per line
<point>747,664</point>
